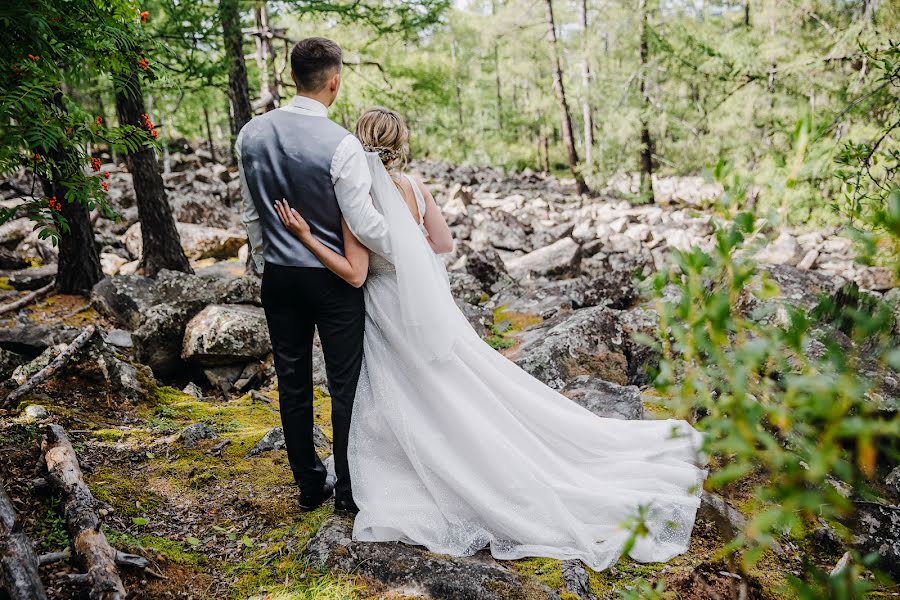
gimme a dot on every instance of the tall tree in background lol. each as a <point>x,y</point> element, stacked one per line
<point>238,85</point>
<point>559,88</point>
<point>646,177</point>
<point>161,242</point>
<point>587,116</point>
<point>265,59</point>
<point>78,269</point>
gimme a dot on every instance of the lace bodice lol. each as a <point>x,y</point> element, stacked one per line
<point>379,264</point>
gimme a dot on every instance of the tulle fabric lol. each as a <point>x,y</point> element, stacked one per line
<point>470,451</point>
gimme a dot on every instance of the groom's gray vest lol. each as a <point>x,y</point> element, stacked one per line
<point>288,155</point>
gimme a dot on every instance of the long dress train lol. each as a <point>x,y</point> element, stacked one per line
<point>470,451</point>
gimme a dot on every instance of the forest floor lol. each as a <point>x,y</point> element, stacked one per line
<point>221,525</point>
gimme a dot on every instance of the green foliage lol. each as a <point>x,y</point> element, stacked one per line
<point>45,129</point>
<point>799,421</point>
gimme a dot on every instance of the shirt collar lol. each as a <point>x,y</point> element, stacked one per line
<point>308,104</point>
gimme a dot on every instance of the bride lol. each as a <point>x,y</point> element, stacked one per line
<point>455,448</point>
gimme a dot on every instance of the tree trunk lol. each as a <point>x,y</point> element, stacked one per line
<point>78,268</point>
<point>646,187</point>
<point>161,242</point>
<point>209,135</point>
<point>747,13</point>
<point>559,87</point>
<point>238,86</point>
<point>586,83</point>
<point>268,90</point>
<point>18,563</point>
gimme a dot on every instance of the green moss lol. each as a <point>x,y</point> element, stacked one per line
<point>547,570</point>
<point>128,493</point>
<point>518,321</point>
<point>171,550</point>
<point>275,566</point>
<point>109,435</point>
<point>4,284</point>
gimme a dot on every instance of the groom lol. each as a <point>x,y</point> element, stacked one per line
<point>297,153</point>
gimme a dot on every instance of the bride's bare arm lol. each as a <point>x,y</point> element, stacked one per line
<point>352,267</point>
<point>438,233</point>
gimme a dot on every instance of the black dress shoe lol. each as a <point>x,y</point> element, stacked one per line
<point>345,505</point>
<point>313,500</point>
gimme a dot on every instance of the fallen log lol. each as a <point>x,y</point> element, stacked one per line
<point>47,372</point>
<point>27,299</point>
<point>18,563</point>
<point>92,551</point>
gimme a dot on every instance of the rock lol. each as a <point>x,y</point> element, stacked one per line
<point>466,288</point>
<point>204,209</point>
<point>559,258</point>
<point>11,261</point>
<point>132,382</point>
<point>23,372</point>
<point>243,290</point>
<point>32,339</point>
<point>119,338</point>
<point>401,568</point>
<point>615,276</point>
<point>501,230</point>
<point>878,279</point>
<point>227,333</point>
<point>224,377</point>
<point>784,250</point>
<point>274,440</point>
<point>485,266</point>
<point>589,341</point>
<point>892,481</point>
<point>198,241</point>
<point>192,389</point>
<point>576,579</point>
<point>798,288</point>
<point>14,231</point>
<point>809,259</point>
<point>158,341</point>
<point>32,279</point>
<point>877,529</point>
<point>729,521</point>
<point>111,263</point>
<point>175,286</point>
<point>606,399</point>
<point>9,362</point>
<point>192,434</point>
<point>479,317</point>
<point>125,298</point>
<point>36,412</point>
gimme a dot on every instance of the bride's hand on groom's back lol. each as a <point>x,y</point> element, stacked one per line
<point>292,219</point>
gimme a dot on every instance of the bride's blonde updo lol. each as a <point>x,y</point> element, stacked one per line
<point>383,131</point>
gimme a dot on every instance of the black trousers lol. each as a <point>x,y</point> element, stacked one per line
<point>297,301</point>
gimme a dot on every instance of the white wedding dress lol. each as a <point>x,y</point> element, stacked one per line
<point>455,448</point>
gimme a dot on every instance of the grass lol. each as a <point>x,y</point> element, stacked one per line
<point>163,548</point>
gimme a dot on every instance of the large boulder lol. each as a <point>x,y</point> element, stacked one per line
<point>198,241</point>
<point>226,333</point>
<point>125,298</point>
<point>158,341</point>
<point>501,230</point>
<point>877,529</point>
<point>31,339</point>
<point>32,279</point>
<point>9,362</point>
<point>606,399</point>
<point>402,567</point>
<point>485,265</point>
<point>559,258</point>
<point>596,341</point>
<point>784,250</point>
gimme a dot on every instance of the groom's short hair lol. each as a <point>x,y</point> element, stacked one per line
<point>313,61</point>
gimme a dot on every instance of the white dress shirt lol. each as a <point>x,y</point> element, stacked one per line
<point>352,181</point>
